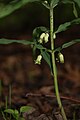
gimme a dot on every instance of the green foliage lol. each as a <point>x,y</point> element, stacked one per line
<point>12,6</point>
<point>68,44</point>
<point>67,25</point>
<point>54,3</point>
<point>6,9</point>
<point>77,2</point>
<point>16,114</point>
<point>73,2</point>
<point>7,41</point>
<point>25,109</point>
<point>39,34</point>
<point>46,57</point>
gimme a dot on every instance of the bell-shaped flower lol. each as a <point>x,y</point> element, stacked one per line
<point>61,57</point>
<point>38,60</point>
<point>41,38</point>
<point>46,37</point>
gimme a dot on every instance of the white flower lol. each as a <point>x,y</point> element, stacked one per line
<point>38,60</point>
<point>42,35</point>
<point>43,38</point>
<point>46,37</point>
<point>61,57</point>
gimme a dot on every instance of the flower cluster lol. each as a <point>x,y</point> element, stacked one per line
<point>43,38</point>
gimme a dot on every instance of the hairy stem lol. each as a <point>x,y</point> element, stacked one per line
<point>54,65</point>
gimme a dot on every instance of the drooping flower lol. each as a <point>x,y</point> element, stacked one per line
<point>61,57</point>
<point>38,60</point>
<point>46,37</point>
<point>43,38</point>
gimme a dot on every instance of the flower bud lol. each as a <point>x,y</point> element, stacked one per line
<point>46,2</point>
<point>38,60</point>
<point>54,36</point>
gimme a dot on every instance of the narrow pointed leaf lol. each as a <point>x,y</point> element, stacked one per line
<point>66,25</point>
<point>10,111</point>
<point>54,3</point>
<point>8,41</point>
<point>12,6</point>
<point>77,2</point>
<point>68,44</point>
<point>46,57</point>
<point>74,7</point>
<point>75,10</point>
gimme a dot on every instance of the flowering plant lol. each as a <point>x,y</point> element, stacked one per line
<point>42,35</point>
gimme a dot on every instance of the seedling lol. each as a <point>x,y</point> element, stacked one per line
<point>42,35</point>
<point>15,113</point>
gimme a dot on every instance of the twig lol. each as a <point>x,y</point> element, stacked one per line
<point>52,96</point>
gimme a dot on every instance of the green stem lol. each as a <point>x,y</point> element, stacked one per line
<point>54,65</point>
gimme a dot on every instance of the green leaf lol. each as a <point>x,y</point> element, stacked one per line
<point>8,41</point>
<point>77,2</point>
<point>6,9</point>
<point>46,57</point>
<point>75,11</point>
<point>16,112</point>
<point>38,30</point>
<point>74,7</point>
<point>38,46</point>
<point>68,44</point>
<point>66,25</point>
<point>10,111</point>
<point>66,1</point>
<point>25,109</point>
<point>54,3</point>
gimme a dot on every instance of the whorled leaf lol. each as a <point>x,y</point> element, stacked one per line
<point>6,9</point>
<point>67,44</point>
<point>66,25</point>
